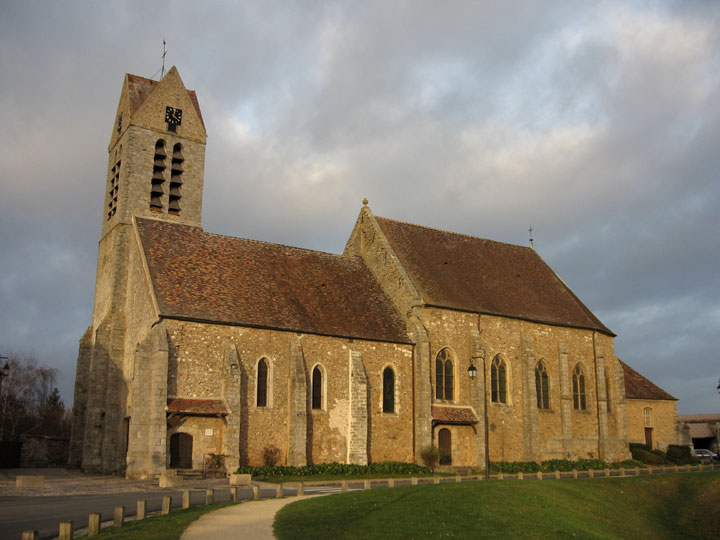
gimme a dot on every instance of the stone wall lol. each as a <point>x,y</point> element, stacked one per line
<point>518,430</point>
<point>662,421</point>
<point>197,364</point>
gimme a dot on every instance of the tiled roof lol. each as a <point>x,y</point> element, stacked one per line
<point>701,431</point>
<point>200,407</point>
<point>139,88</point>
<point>453,415</point>
<point>638,387</point>
<point>690,418</point>
<point>473,274</point>
<point>214,278</point>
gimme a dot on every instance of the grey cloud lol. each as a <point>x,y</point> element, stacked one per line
<point>481,118</point>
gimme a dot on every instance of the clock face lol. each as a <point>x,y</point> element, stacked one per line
<point>173,116</point>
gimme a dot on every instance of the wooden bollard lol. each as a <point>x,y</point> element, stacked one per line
<point>458,479</point>
<point>256,492</point>
<point>119,516</point>
<point>209,496</point>
<point>521,476</point>
<point>186,499</point>
<point>637,471</point>
<point>343,486</point>
<point>166,505</point>
<point>574,471</point>
<point>141,509</point>
<point>436,479</point>
<point>278,491</point>
<point>539,475</point>
<point>391,482</point>
<point>677,469</point>
<point>66,530</point>
<point>607,473</point>
<point>591,474</point>
<point>93,524</point>
<point>366,484</point>
<point>234,494</point>
<point>501,476</point>
<point>300,489</point>
<point>30,535</point>
<point>622,471</point>
<point>413,481</point>
<point>557,475</point>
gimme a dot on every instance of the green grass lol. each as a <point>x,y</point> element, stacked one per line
<point>169,527</point>
<point>662,507</point>
<point>348,477</point>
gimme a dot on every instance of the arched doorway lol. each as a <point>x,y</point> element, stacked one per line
<point>181,451</point>
<point>445,445</point>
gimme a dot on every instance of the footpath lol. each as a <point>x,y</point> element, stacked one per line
<point>252,519</point>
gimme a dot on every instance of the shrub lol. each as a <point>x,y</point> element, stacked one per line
<point>514,467</point>
<point>431,456</point>
<point>680,455</point>
<point>271,455</point>
<point>339,469</point>
<point>651,458</point>
<point>627,464</point>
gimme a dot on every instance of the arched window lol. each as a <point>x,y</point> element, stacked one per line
<point>578,382</point>
<point>498,380</point>
<point>542,386</point>
<point>262,383</point>
<point>317,388</point>
<point>388,390</point>
<point>444,383</point>
<point>608,395</point>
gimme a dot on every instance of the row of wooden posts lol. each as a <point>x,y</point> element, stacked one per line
<point>94,521</point>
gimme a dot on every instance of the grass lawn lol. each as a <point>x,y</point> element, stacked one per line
<point>672,506</point>
<point>156,527</point>
<point>337,477</point>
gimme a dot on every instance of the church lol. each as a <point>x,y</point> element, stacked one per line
<point>202,344</point>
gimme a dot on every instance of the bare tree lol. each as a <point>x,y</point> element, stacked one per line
<point>24,394</point>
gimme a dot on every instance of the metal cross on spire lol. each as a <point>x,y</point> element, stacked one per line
<point>162,72</point>
<point>530,230</point>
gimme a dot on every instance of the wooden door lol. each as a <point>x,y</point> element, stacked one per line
<point>445,444</point>
<point>648,437</point>
<point>181,451</point>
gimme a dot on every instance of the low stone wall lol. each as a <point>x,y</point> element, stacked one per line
<point>39,451</point>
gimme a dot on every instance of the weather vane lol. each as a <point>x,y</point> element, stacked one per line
<point>530,230</point>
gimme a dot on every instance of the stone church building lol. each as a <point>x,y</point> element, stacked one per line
<point>206,344</point>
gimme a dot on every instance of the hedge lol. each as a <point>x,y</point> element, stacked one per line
<point>382,467</point>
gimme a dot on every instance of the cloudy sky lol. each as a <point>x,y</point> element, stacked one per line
<point>598,123</point>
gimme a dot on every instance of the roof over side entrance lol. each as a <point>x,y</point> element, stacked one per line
<point>213,278</point>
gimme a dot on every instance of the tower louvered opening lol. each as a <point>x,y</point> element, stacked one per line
<point>158,177</point>
<point>114,185</point>
<point>176,171</point>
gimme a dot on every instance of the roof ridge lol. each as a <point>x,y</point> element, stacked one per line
<point>437,229</point>
<point>251,240</point>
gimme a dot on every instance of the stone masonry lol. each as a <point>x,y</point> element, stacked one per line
<point>168,374</point>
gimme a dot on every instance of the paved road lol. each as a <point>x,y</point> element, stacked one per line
<point>18,514</point>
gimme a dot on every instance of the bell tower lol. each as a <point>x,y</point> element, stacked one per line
<point>155,170</point>
<point>156,153</point>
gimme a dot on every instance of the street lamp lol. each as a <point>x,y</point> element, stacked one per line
<point>472,372</point>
